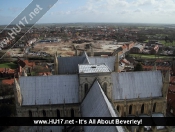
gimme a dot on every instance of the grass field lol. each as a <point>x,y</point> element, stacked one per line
<point>150,56</point>
<point>163,42</point>
<point>167,44</point>
<point>8,65</point>
<point>146,41</point>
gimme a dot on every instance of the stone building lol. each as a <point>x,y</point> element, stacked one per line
<point>93,87</point>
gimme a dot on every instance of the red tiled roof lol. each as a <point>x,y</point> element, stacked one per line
<point>1,69</point>
<point>44,73</point>
<point>8,81</point>
<point>172,88</point>
<point>124,47</point>
<point>31,64</point>
<point>172,79</point>
<point>158,67</point>
<point>171,99</point>
<point>159,60</point>
<point>7,70</point>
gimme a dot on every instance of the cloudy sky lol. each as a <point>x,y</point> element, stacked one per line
<point>115,11</point>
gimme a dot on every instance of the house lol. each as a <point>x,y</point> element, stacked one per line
<point>137,48</point>
<point>8,81</point>
<point>161,65</point>
<point>7,73</point>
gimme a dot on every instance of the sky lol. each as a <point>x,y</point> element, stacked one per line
<point>112,11</point>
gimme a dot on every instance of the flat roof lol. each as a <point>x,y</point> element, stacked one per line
<point>92,68</point>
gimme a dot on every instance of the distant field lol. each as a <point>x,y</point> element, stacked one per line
<point>163,42</point>
<point>151,27</point>
<point>149,56</point>
<point>8,65</point>
<point>167,44</point>
<point>146,41</point>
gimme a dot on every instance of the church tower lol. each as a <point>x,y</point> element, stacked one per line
<point>166,81</point>
<point>117,63</point>
<point>56,63</point>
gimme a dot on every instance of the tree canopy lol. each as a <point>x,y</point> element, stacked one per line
<point>138,67</point>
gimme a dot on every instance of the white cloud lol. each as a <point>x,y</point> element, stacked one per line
<point>125,12</point>
<point>144,2</point>
<point>152,11</point>
<point>138,10</point>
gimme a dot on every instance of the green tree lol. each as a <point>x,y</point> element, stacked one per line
<point>138,67</point>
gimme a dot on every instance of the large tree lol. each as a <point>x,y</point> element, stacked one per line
<point>138,67</point>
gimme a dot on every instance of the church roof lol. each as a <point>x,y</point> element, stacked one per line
<point>132,85</point>
<point>109,61</point>
<point>69,65</point>
<point>90,68</point>
<point>44,90</point>
<point>96,104</point>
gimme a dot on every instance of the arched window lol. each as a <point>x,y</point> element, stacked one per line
<point>118,108</point>
<point>154,107</point>
<point>130,109</point>
<point>72,112</point>
<point>44,113</point>
<point>142,109</point>
<point>105,87</point>
<point>85,88</point>
<point>58,113</point>
<point>30,113</point>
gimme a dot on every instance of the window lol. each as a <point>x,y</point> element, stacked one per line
<point>154,107</point>
<point>72,112</point>
<point>130,109</point>
<point>105,87</point>
<point>85,88</point>
<point>44,113</point>
<point>30,113</point>
<point>142,109</point>
<point>58,113</point>
<point>118,108</point>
